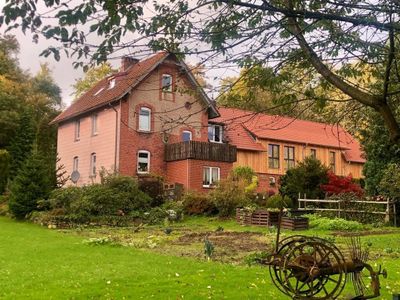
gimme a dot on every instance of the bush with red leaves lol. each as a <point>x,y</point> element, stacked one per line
<point>339,185</point>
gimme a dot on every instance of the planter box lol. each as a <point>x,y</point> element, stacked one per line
<point>258,217</point>
<point>297,223</point>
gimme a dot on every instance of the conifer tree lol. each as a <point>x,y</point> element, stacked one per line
<point>31,184</point>
<point>21,144</point>
<point>4,169</point>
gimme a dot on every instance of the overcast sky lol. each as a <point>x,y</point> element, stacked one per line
<point>64,73</point>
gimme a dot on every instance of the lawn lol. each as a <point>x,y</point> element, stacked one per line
<point>38,263</point>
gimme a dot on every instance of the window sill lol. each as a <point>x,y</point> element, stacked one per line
<point>77,140</point>
<point>95,134</point>
<point>144,131</point>
<point>215,142</point>
<point>209,186</point>
<point>142,173</point>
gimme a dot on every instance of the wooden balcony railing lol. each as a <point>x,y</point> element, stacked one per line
<point>201,151</point>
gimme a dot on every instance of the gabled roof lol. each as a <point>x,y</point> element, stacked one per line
<point>102,94</point>
<point>286,129</point>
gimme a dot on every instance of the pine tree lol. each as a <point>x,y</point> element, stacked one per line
<point>30,185</point>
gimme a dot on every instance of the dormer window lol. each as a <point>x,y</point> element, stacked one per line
<point>215,133</point>
<point>111,84</point>
<point>166,83</point>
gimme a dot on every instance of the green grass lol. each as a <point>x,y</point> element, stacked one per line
<point>37,263</point>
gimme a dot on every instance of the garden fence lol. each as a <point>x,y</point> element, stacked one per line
<point>343,207</point>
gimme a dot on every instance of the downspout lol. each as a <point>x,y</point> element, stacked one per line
<point>116,135</point>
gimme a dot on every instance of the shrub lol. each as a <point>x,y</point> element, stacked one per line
<point>324,223</point>
<point>305,178</point>
<point>118,195</point>
<point>339,185</point>
<point>243,172</point>
<point>277,201</point>
<point>154,187</point>
<point>174,208</point>
<point>390,183</point>
<point>30,185</point>
<point>198,204</point>
<point>229,195</point>
<point>62,198</point>
<point>4,169</point>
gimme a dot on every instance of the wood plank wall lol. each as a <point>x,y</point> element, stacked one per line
<point>258,161</point>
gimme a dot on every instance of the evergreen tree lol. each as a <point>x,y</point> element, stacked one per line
<point>21,144</point>
<point>4,169</point>
<point>30,185</point>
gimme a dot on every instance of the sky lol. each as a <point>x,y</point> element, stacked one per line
<point>65,75</point>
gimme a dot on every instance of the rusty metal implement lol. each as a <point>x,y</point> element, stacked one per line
<point>305,267</point>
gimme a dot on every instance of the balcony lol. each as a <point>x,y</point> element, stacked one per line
<point>200,151</point>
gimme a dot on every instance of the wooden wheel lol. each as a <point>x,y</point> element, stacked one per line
<point>313,269</point>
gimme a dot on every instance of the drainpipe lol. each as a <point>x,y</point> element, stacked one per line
<point>116,135</point>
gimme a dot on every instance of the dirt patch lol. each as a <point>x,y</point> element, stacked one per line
<point>230,241</point>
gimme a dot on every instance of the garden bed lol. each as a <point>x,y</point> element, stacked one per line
<point>294,223</point>
<point>258,217</point>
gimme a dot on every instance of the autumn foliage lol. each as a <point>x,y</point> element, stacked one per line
<point>339,185</point>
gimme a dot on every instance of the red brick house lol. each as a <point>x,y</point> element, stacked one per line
<point>149,118</point>
<point>152,117</point>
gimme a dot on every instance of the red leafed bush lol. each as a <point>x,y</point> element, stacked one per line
<point>339,185</point>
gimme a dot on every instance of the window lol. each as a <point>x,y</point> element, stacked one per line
<point>143,164</point>
<point>166,83</point>
<point>186,135</point>
<point>210,176</point>
<point>77,130</point>
<point>313,153</point>
<point>111,84</point>
<point>215,133</point>
<point>332,161</point>
<point>144,119</point>
<point>273,156</point>
<point>94,124</point>
<point>92,165</point>
<point>75,164</point>
<point>288,156</point>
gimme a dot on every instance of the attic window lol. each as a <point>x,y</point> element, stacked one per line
<point>111,84</point>
<point>166,83</point>
<point>99,91</point>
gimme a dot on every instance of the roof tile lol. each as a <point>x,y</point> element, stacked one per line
<point>288,130</point>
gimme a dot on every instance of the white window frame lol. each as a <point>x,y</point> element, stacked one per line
<point>190,135</point>
<point>148,162</point>
<point>75,164</point>
<point>169,87</point>
<point>94,120</point>
<point>77,131</point>
<point>210,172</point>
<point>211,133</point>
<point>148,129</point>
<point>93,161</point>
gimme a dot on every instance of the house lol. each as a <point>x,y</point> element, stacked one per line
<point>152,117</point>
<point>271,145</point>
<point>149,118</point>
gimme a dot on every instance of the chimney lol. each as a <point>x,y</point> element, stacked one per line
<point>127,62</point>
